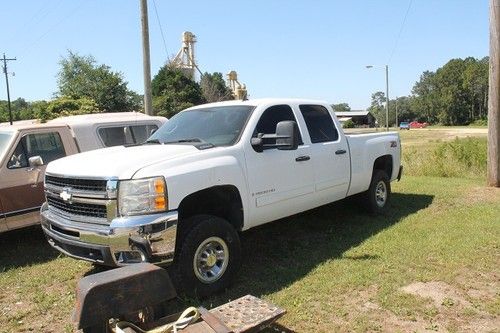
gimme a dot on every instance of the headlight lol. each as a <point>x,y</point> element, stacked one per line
<point>142,196</point>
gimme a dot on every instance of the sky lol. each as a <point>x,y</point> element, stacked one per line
<point>302,49</point>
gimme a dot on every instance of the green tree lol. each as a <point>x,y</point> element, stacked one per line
<point>214,88</point>
<point>172,91</point>
<point>81,77</point>
<point>377,107</point>
<point>341,107</point>
<point>66,106</point>
<point>456,94</point>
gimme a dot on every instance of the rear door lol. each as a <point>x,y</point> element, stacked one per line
<point>21,193</point>
<point>329,154</point>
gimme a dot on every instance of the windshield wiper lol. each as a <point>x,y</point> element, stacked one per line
<point>199,143</point>
<point>153,141</point>
<point>185,140</point>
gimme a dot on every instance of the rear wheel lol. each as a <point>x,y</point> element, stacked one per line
<point>208,257</point>
<point>379,193</point>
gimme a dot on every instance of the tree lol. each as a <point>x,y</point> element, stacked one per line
<point>65,106</point>
<point>341,107</point>
<point>456,94</point>
<point>81,77</point>
<point>377,107</point>
<point>214,88</point>
<point>172,91</point>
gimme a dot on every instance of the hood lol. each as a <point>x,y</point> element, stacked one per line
<point>122,162</point>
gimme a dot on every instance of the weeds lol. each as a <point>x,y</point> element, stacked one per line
<point>462,157</point>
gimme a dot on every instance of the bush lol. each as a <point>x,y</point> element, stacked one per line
<point>348,124</point>
<point>464,157</point>
<point>479,122</point>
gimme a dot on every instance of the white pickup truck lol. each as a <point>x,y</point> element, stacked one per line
<point>210,172</point>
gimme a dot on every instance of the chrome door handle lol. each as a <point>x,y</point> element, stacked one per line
<point>302,158</point>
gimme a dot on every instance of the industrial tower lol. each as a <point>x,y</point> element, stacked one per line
<point>185,60</point>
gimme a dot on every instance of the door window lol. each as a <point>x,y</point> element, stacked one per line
<point>271,117</point>
<point>48,146</point>
<point>319,123</point>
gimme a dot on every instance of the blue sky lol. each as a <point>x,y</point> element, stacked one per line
<point>310,49</point>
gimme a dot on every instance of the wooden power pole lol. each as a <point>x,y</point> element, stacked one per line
<point>146,62</point>
<point>494,97</point>
<point>7,84</point>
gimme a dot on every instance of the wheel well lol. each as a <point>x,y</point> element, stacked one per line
<point>222,201</point>
<point>384,163</point>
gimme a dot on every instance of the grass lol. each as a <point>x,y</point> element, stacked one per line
<point>333,268</point>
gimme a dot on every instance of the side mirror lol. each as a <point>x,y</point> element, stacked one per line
<point>35,161</point>
<point>287,137</point>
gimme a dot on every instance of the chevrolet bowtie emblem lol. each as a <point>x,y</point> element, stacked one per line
<point>65,194</point>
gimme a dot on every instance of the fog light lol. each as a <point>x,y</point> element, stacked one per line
<point>134,256</point>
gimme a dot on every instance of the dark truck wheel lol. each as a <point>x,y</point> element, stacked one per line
<point>208,257</point>
<point>379,192</point>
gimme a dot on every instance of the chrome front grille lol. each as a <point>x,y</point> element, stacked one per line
<point>94,185</point>
<point>76,208</point>
<point>82,200</point>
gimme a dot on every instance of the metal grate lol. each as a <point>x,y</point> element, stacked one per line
<point>95,185</point>
<point>77,208</point>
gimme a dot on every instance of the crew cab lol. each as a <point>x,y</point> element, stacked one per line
<point>209,173</point>
<point>27,146</point>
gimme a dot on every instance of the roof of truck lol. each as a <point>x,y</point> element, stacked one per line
<point>105,117</point>
<point>83,120</point>
<point>260,101</point>
<point>27,124</point>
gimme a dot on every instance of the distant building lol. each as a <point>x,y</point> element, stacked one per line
<point>359,118</point>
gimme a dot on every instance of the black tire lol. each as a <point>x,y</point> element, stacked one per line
<point>208,234</point>
<point>376,203</point>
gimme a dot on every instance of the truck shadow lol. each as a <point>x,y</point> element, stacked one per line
<point>24,247</point>
<point>280,253</point>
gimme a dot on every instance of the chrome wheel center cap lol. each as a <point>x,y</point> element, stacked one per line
<point>211,260</point>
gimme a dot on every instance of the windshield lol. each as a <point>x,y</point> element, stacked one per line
<point>218,126</point>
<point>4,141</point>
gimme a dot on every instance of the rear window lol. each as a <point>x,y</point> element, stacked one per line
<point>319,123</point>
<point>125,135</point>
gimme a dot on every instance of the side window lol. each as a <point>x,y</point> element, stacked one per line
<point>48,146</point>
<point>115,136</point>
<point>140,133</point>
<point>271,117</point>
<point>125,135</point>
<point>319,123</point>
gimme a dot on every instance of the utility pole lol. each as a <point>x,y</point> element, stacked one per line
<point>397,124</point>
<point>7,83</point>
<point>146,62</point>
<point>494,97</point>
<point>387,96</point>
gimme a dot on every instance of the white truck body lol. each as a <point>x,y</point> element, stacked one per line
<point>266,185</point>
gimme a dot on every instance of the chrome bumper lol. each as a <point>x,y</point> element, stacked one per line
<point>126,240</point>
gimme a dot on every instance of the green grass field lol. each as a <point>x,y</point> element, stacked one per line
<point>429,264</point>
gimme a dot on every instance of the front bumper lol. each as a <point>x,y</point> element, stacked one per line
<point>126,240</point>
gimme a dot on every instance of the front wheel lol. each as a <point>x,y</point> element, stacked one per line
<point>208,257</point>
<point>378,194</point>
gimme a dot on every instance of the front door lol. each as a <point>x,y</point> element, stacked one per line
<point>280,181</point>
<point>21,193</point>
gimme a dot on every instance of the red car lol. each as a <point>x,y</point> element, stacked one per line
<point>416,124</point>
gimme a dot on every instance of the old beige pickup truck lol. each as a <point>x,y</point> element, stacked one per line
<point>26,147</point>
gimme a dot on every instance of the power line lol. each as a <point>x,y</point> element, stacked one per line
<point>400,31</point>
<point>161,29</point>
<point>64,18</point>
